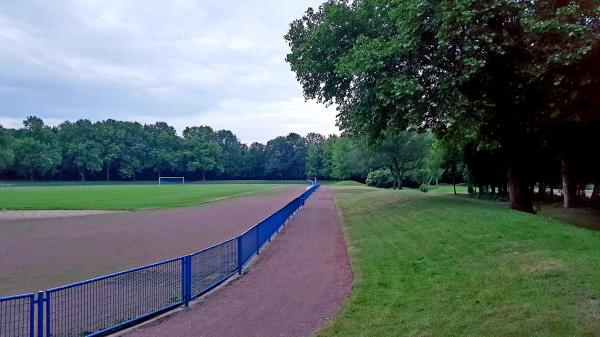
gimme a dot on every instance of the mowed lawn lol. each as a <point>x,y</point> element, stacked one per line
<point>124,197</point>
<point>438,265</point>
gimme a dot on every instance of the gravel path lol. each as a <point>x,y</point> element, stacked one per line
<point>36,254</point>
<point>46,214</point>
<point>297,284</point>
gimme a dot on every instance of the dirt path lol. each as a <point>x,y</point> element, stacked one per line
<point>37,254</point>
<point>297,284</point>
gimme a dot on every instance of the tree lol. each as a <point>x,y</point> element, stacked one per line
<point>402,153</point>
<point>201,151</point>
<point>134,150</point>
<point>7,154</point>
<point>315,158</point>
<point>80,151</point>
<point>35,149</point>
<point>32,157</point>
<point>163,148</point>
<point>231,152</point>
<point>286,157</point>
<point>110,137</point>
<point>500,68</point>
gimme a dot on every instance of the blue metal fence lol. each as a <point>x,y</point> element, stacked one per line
<point>101,305</point>
<point>17,316</point>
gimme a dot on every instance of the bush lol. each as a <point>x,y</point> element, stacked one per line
<point>380,178</point>
<point>424,188</point>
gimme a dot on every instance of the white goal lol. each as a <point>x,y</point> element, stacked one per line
<point>171,180</point>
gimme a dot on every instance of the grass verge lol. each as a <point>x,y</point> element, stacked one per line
<point>119,197</point>
<point>437,265</point>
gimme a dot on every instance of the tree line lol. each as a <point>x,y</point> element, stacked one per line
<point>121,150</point>
<point>508,87</point>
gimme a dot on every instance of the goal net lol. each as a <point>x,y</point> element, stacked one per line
<point>171,180</point>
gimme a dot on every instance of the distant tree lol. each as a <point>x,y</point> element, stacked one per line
<point>134,150</point>
<point>110,136</point>
<point>286,157</point>
<point>80,151</point>
<point>35,149</point>
<point>231,154</point>
<point>402,153</point>
<point>164,148</point>
<point>315,157</point>
<point>351,158</point>
<point>255,159</point>
<point>201,151</point>
<point>7,155</point>
<point>34,158</point>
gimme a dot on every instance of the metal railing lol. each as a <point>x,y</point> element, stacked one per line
<point>108,303</point>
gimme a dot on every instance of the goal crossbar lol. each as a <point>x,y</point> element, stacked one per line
<point>160,179</point>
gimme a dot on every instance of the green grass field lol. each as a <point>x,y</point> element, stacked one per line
<point>119,197</point>
<point>438,265</point>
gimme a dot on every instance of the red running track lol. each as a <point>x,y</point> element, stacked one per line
<point>297,284</point>
<point>38,254</point>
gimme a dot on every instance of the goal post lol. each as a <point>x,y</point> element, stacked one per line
<point>171,180</point>
<point>312,180</point>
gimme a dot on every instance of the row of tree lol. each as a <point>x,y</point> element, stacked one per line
<point>127,150</point>
<point>509,87</point>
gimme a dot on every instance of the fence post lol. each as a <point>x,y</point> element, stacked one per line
<point>47,300</point>
<point>239,254</point>
<point>40,314</point>
<point>258,239</point>
<point>186,286</point>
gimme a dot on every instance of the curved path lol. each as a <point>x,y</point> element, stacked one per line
<point>37,254</point>
<point>298,283</point>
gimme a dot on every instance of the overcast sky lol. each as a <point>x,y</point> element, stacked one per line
<point>186,62</point>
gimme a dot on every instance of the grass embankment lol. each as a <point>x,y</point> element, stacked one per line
<point>124,197</point>
<point>438,265</point>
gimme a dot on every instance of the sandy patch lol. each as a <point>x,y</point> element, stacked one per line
<point>22,215</point>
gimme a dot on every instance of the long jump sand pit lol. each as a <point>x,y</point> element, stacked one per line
<point>36,254</point>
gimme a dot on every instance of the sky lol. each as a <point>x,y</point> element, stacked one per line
<point>185,62</point>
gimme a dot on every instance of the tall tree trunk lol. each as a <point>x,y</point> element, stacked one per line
<point>541,193</point>
<point>204,176</point>
<point>595,198</point>
<point>519,192</point>
<point>454,181</point>
<point>569,188</point>
<point>107,172</point>
<point>82,174</point>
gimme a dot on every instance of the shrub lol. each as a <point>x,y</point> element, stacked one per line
<point>380,178</point>
<point>424,188</point>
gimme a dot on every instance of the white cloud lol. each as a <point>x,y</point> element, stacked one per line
<point>207,61</point>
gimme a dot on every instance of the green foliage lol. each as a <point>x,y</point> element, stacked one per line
<point>500,73</point>
<point>7,155</point>
<point>380,178</point>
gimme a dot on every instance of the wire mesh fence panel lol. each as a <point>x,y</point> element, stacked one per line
<point>93,306</point>
<point>248,244</point>
<point>16,316</point>
<point>211,266</point>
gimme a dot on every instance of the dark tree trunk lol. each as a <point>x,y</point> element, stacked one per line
<point>204,177</point>
<point>541,194</point>
<point>569,188</point>
<point>519,192</point>
<point>595,198</point>
<point>82,174</point>
<point>454,182</point>
<point>31,176</point>
<point>107,172</point>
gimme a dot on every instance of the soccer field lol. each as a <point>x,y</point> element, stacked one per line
<point>119,197</point>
